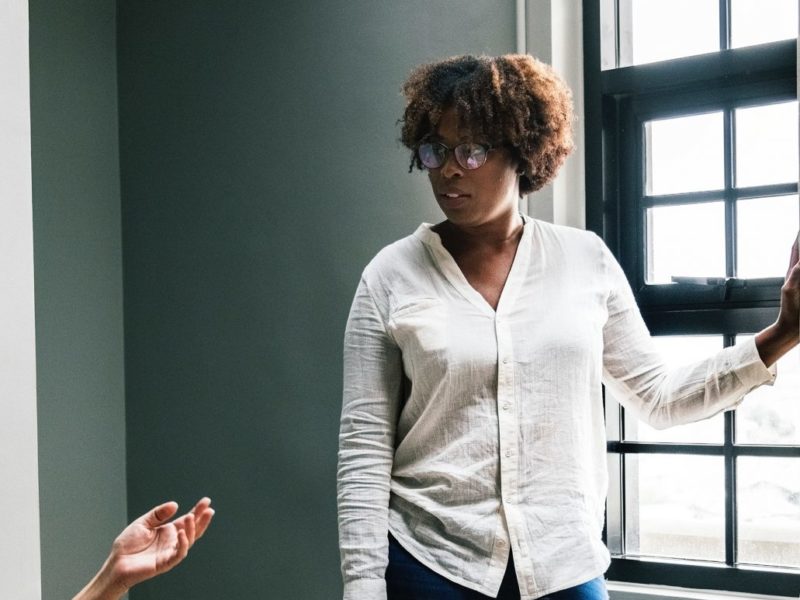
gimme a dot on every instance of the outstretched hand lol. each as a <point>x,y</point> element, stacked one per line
<point>790,292</point>
<point>149,546</point>
<point>783,335</point>
<point>152,545</point>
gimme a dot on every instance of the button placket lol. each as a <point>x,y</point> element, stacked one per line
<point>508,425</point>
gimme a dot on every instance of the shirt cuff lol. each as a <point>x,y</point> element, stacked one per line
<point>365,589</point>
<point>748,366</point>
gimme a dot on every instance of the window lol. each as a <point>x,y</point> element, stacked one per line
<point>692,180</point>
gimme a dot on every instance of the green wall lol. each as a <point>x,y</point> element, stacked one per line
<point>78,279</point>
<point>260,172</point>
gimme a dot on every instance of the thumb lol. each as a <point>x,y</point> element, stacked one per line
<point>159,515</point>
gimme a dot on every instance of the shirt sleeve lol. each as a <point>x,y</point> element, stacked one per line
<point>371,400</point>
<point>635,374</point>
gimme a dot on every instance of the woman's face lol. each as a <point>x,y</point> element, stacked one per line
<point>472,197</point>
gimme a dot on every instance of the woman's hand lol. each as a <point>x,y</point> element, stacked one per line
<point>780,337</point>
<point>149,546</point>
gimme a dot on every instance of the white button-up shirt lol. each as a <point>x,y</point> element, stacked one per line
<point>470,433</point>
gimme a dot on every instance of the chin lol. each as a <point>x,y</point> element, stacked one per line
<point>462,219</point>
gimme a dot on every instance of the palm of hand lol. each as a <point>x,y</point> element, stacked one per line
<point>143,552</point>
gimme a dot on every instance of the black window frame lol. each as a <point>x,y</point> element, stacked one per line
<point>617,102</point>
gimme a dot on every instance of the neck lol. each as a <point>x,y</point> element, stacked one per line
<point>500,231</point>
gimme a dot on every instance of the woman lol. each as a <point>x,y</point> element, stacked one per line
<point>472,458</point>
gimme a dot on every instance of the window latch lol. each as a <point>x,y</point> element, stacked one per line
<point>724,284</point>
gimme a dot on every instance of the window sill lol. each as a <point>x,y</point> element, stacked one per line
<point>619,590</point>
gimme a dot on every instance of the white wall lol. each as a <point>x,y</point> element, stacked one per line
<point>19,503</point>
<point>554,34</point>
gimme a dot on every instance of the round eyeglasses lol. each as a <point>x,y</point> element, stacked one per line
<point>470,156</point>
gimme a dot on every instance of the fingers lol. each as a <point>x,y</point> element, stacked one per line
<point>196,521</point>
<point>193,524</point>
<point>203,514</point>
<point>792,283</point>
<point>191,527</point>
<point>201,505</point>
<point>159,515</point>
<point>179,552</point>
<point>186,524</point>
<point>793,274</point>
<point>203,521</point>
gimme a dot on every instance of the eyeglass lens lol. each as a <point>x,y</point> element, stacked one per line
<point>468,155</point>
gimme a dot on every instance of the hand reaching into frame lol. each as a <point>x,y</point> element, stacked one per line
<point>783,335</point>
<point>149,546</point>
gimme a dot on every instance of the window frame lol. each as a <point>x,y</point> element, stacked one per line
<point>617,102</point>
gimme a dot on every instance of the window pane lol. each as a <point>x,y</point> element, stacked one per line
<point>655,23</point>
<point>675,506</point>
<point>757,21</point>
<point>769,511</point>
<point>686,240</point>
<point>766,144</point>
<point>771,414</point>
<point>679,350</point>
<point>765,230</point>
<point>685,154</point>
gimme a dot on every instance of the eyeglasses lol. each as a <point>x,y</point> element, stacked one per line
<point>468,155</point>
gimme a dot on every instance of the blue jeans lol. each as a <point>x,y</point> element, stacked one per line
<point>409,579</point>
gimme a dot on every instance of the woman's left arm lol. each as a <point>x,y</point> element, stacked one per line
<point>784,334</point>
<point>663,395</point>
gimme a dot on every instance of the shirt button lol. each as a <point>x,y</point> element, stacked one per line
<point>505,361</point>
<point>500,543</point>
<point>506,406</point>
<point>508,452</point>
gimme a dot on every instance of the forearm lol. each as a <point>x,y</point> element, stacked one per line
<point>775,341</point>
<point>666,396</point>
<point>103,586</point>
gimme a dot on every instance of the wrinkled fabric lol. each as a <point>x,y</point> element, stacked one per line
<point>469,433</point>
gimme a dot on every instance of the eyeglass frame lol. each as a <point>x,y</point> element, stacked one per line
<point>452,150</point>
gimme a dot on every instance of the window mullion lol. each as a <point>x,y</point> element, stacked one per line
<point>730,199</point>
<point>724,24</point>
<point>731,537</point>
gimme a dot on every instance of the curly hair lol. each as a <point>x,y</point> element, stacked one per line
<point>512,100</point>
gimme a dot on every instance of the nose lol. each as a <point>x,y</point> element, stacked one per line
<point>451,168</point>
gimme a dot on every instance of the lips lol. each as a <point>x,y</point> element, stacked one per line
<point>452,199</point>
<point>453,194</point>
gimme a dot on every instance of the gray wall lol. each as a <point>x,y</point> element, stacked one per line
<point>260,172</point>
<point>78,279</point>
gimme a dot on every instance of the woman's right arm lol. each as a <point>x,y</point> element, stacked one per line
<point>371,399</point>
